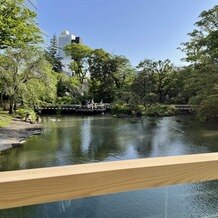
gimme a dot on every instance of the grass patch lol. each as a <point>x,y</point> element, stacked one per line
<point>5,119</point>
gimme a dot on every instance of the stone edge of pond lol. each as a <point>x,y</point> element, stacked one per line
<point>16,133</point>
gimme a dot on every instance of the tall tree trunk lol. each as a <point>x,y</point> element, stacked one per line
<point>1,100</point>
<point>11,109</point>
<point>15,106</point>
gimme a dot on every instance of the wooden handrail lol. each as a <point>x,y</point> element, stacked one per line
<point>28,187</point>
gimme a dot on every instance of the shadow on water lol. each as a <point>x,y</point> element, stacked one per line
<point>73,140</point>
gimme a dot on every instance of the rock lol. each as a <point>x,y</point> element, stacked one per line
<point>122,116</point>
<point>134,121</point>
<point>153,124</point>
<point>28,117</point>
<point>178,121</point>
<point>37,133</point>
<point>16,145</point>
<point>33,122</point>
<point>22,141</point>
<point>38,119</point>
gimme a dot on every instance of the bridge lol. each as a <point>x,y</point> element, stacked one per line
<point>96,108</point>
<point>184,108</point>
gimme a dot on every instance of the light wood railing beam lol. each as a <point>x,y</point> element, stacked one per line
<point>35,186</point>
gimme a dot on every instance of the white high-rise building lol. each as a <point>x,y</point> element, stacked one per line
<point>63,40</point>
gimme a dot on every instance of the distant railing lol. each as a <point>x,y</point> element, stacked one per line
<point>98,106</point>
<point>35,186</point>
<point>91,108</point>
<point>183,106</point>
<point>106,105</point>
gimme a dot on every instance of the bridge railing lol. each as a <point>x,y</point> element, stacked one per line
<point>35,186</point>
<point>77,106</point>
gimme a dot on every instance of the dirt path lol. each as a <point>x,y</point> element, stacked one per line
<point>16,133</point>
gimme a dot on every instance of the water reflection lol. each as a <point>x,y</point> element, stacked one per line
<point>73,140</point>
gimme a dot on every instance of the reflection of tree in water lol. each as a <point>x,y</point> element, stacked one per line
<point>143,146</point>
<point>100,140</point>
<point>77,153</point>
<point>143,143</point>
<point>105,140</point>
<point>200,137</point>
<point>6,165</point>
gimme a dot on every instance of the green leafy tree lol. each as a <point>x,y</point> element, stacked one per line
<point>26,76</point>
<point>80,55</point>
<point>69,89</point>
<point>176,86</point>
<point>144,89</point>
<point>155,76</point>
<point>202,52</point>
<point>17,25</point>
<point>101,84</point>
<point>109,75</point>
<point>52,55</point>
<point>203,43</point>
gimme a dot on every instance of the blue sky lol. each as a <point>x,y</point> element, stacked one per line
<point>138,29</point>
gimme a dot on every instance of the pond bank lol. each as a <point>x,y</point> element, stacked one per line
<point>16,132</point>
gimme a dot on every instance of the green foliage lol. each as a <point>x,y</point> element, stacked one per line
<point>69,89</point>
<point>52,55</point>
<point>202,51</point>
<point>159,110</point>
<point>203,44</point>
<point>207,111</point>
<point>26,77</point>
<point>17,25</point>
<point>149,110</point>
<point>22,112</point>
<point>110,76</point>
<point>121,108</point>
<point>80,55</point>
<point>5,119</point>
<point>153,81</point>
<point>27,73</point>
<point>65,100</point>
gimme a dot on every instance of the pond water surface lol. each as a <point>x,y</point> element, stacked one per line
<point>73,140</point>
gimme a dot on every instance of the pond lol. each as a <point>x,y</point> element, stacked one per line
<point>73,140</point>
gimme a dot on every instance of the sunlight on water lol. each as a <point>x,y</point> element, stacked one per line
<point>73,140</point>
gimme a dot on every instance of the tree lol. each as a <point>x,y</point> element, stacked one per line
<point>69,89</point>
<point>144,88</point>
<point>108,75</point>
<point>203,44</point>
<point>52,55</point>
<point>176,86</point>
<point>202,53</point>
<point>17,25</point>
<point>123,77</point>
<point>155,76</point>
<point>26,77</point>
<point>80,55</point>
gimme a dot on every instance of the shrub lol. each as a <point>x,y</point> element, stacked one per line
<point>159,110</point>
<point>21,112</point>
<point>207,110</point>
<point>64,100</point>
<point>121,108</point>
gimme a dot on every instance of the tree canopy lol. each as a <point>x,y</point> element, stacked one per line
<point>52,55</point>
<point>26,76</point>
<point>27,71</point>
<point>80,55</point>
<point>17,25</point>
